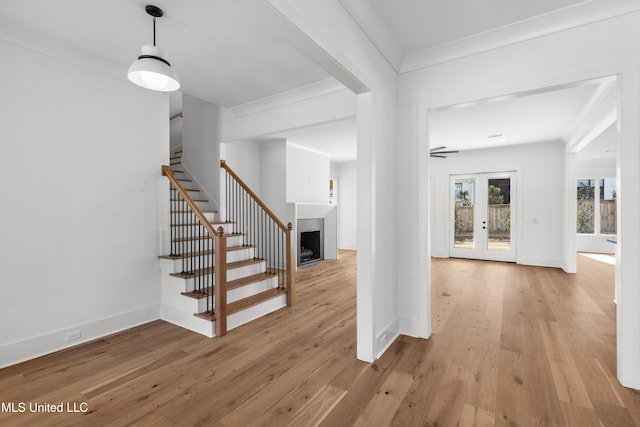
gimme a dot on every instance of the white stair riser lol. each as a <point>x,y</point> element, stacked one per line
<point>172,295</point>
<point>232,240</point>
<point>204,327</point>
<point>232,274</point>
<point>204,206</point>
<point>259,310</point>
<point>208,260</point>
<point>187,320</point>
<point>188,218</point>
<point>173,288</point>
<point>237,294</point>
<point>251,289</point>
<point>196,229</point>
<point>183,234</point>
<point>247,270</point>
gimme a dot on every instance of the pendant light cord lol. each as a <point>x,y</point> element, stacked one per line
<point>154,31</point>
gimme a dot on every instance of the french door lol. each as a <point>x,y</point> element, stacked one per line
<point>482,218</point>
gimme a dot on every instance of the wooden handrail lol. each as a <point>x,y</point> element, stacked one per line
<point>223,164</point>
<point>168,172</point>
<point>175,116</point>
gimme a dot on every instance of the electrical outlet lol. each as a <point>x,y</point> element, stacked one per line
<point>72,336</point>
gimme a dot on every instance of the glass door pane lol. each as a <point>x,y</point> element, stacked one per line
<point>608,206</point>
<point>464,202</point>
<point>498,222</point>
<point>586,207</point>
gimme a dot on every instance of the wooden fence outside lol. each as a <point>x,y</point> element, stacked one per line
<point>498,218</point>
<point>608,221</point>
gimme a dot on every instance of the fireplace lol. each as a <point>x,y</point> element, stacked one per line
<point>309,246</point>
<point>310,240</point>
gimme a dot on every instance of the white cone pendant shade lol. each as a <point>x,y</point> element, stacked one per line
<point>152,71</point>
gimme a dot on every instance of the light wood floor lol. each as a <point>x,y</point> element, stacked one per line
<point>511,345</point>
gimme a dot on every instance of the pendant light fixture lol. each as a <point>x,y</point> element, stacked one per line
<point>152,70</point>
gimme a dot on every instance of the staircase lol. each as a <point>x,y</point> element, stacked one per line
<point>213,280</point>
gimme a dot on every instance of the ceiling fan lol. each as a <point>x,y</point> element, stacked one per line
<point>438,152</point>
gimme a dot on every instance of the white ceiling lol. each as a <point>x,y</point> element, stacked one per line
<point>232,52</point>
<point>414,34</point>
<point>418,24</point>
<point>222,51</point>
<point>547,115</point>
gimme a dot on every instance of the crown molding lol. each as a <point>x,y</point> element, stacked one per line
<point>314,90</point>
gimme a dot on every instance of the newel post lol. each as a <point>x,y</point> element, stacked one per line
<point>220,287</point>
<point>291,271</point>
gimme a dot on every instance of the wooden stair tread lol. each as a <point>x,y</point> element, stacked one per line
<point>184,180</point>
<point>243,263</point>
<point>236,306</point>
<point>206,316</point>
<point>210,222</point>
<point>209,270</point>
<point>199,295</point>
<point>238,283</point>
<point>209,252</point>
<point>195,200</point>
<point>233,284</point>
<point>203,211</point>
<point>196,223</point>
<point>186,239</point>
<point>244,303</point>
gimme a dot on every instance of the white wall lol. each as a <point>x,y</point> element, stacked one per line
<point>539,188</point>
<point>307,176</point>
<point>246,161</point>
<point>274,178</point>
<point>201,133</point>
<point>347,207</point>
<point>82,202</point>
<point>610,47</point>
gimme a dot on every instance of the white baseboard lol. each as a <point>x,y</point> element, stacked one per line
<point>411,327</point>
<point>30,348</point>
<point>541,262</point>
<point>386,337</point>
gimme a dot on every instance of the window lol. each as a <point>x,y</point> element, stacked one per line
<point>596,206</point>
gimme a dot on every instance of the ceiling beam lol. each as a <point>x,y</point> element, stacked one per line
<point>274,20</point>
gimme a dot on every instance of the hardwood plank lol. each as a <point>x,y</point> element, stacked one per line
<point>314,411</point>
<point>515,345</point>
<point>476,417</point>
<point>386,401</point>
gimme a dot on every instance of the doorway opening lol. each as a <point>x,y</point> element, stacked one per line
<point>482,218</point>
